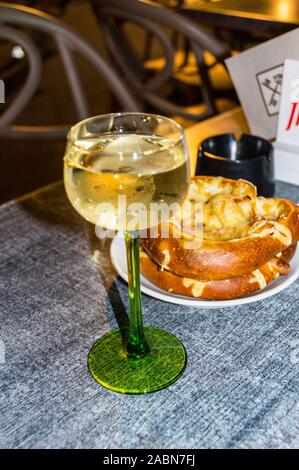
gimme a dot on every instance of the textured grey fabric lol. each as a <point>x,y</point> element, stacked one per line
<point>241,385</point>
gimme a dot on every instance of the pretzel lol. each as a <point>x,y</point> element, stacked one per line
<point>240,231</point>
<point>221,289</point>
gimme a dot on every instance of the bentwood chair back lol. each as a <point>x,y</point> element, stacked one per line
<point>114,15</point>
<point>15,21</point>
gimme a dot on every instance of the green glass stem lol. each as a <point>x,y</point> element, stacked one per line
<point>136,346</point>
<point>148,359</point>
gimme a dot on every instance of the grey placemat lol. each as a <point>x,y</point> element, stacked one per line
<point>241,385</point>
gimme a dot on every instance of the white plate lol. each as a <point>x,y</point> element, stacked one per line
<point>118,258</point>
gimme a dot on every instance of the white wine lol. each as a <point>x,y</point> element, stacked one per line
<point>145,169</point>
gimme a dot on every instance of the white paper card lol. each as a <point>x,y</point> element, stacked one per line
<point>287,143</point>
<point>257,75</point>
<point>288,121</point>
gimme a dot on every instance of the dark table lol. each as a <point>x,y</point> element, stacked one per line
<point>271,16</point>
<point>59,293</point>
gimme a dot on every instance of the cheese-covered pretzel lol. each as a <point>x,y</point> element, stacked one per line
<point>220,289</point>
<point>239,231</point>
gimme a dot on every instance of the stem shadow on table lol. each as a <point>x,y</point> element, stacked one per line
<point>100,252</point>
<point>50,205</point>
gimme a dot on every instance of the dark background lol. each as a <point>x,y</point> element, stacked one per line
<point>28,164</point>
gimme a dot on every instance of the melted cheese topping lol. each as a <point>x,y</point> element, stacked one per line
<point>260,278</point>
<point>275,229</point>
<point>197,287</point>
<point>282,233</point>
<point>166,259</point>
<point>227,210</point>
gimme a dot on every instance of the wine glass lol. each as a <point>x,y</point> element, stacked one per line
<point>143,159</point>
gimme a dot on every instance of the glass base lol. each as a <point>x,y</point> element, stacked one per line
<point>163,365</point>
